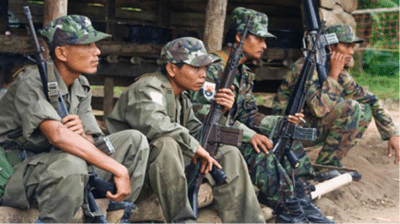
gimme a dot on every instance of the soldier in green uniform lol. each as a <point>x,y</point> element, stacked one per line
<point>339,108</point>
<point>158,105</point>
<point>50,155</point>
<point>273,178</point>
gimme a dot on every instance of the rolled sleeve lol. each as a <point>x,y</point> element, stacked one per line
<point>36,113</point>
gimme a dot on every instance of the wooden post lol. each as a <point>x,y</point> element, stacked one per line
<point>54,9</point>
<point>108,103</point>
<point>163,13</point>
<point>3,16</point>
<point>214,24</point>
<point>110,29</point>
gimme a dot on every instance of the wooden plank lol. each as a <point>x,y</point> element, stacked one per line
<point>187,19</point>
<point>98,102</point>
<point>18,44</point>
<point>127,48</point>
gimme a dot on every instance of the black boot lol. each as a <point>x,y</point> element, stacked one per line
<point>311,211</point>
<point>290,212</point>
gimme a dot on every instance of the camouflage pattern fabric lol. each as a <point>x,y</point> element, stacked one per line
<point>259,27</point>
<point>188,50</point>
<point>344,33</point>
<point>270,176</point>
<point>340,110</point>
<point>71,29</point>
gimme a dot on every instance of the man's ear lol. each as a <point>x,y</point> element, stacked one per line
<point>60,53</point>
<point>238,37</point>
<point>171,68</point>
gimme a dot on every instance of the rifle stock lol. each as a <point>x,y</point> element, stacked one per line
<point>100,185</point>
<point>212,134</point>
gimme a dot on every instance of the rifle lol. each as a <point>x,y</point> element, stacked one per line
<point>287,131</point>
<point>313,24</point>
<point>99,186</point>
<point>212,134</point>
<point>315,56</point>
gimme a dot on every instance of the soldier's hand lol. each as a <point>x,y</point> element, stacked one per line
<point>260,141</point>
<point>206,160</point>
<point>297,118</point>
<point>121,180</point>
<point>337,62</point>
<point>73,123</point>
<point>393,146</point>
<point>225,98</point>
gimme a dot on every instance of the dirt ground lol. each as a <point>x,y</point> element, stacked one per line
<point>373,199</point>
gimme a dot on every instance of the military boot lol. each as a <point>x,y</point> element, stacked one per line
<point>311,211</point>
<point>290,212</point>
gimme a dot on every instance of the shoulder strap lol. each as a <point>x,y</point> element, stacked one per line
<point>52,84</point>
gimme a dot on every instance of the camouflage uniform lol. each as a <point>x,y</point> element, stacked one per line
<point>340,110</point>
<point>47,177</point>
<point>270,176</point>
<point>168,121</point>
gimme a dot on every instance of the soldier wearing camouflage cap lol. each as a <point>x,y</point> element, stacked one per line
<point>340,109</point>
<point>51,154</point>
<point>270,176</point>
<point>159,106</point>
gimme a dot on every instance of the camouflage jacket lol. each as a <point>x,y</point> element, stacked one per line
<point>244,113</point>
<point>321,99</point>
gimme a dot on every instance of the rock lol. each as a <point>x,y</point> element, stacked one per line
<point>348,5</point>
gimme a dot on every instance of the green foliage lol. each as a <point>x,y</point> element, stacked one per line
<point>368,4</point>
<point>381,63</point>
<point>384,87</point>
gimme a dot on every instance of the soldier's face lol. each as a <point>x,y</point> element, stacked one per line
<point>346,49</point>
<point>82,58</point>
<point>187,78</point>
<point>254,46</point>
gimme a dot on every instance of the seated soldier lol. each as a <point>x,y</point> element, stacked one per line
<point>51,155</point>
<point>281,187</point>
<point>158,105</point>
<point>340,108</point>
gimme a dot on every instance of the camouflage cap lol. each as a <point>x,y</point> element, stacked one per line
<point>344,33</point>
<point>71,29</point>
<point>260,22</point>
<point>188,50</point>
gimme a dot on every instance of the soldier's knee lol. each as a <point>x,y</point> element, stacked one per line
<point>69,164</point>
<point>165,148</point>
<point>348,108</point>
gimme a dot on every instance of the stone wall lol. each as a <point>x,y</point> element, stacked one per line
<point>338,11</point>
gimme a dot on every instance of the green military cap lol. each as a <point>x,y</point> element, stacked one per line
<point>259,27</point>
<point>188,50</point>
<point>71,29</point>
<point>344,33</point>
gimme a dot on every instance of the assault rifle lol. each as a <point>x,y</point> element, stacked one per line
<point>313,24</point>
<point>96,184</point>
<point>315,56</point>
<point>287,131</point>
<point>212,134</point>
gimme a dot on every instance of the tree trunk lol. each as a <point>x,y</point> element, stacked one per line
<point>214,24</point>
<point>54,9</point>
